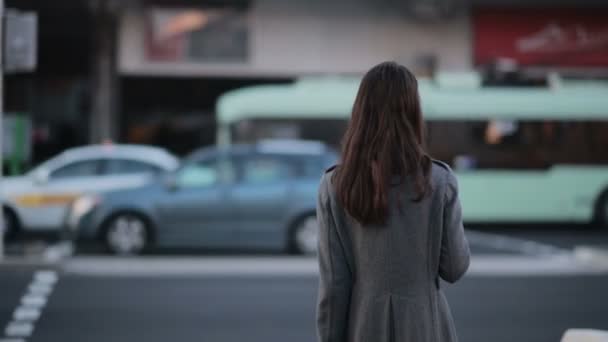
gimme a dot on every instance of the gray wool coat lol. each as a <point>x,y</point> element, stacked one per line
<point>382,283</point>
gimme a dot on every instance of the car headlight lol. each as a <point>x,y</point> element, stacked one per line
<point>80,207</point>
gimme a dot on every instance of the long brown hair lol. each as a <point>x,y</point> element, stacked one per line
<point>384,139</point>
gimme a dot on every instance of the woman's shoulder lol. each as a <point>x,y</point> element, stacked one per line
<point>442,173</point>
<point>440,168</point>
<point>331,169</point>
<point>325,185</point>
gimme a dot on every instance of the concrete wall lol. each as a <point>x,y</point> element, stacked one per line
<point>292,38</point>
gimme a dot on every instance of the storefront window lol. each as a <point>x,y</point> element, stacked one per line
<point>197,35</point>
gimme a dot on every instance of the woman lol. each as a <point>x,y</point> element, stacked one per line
<point>389,223</point>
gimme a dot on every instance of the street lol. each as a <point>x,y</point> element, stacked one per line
<point>516,290</point>
<point>169,168</point>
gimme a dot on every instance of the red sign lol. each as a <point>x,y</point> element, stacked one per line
<point>547,37</point>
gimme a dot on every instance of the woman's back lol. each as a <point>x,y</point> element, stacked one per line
<point>394,269</point>
<point>390,224</point>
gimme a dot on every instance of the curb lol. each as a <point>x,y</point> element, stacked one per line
<point>52,256</point>
<point>596,256</point>
<point>16,262</point>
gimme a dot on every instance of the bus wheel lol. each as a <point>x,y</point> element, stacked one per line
<point>601,210</point>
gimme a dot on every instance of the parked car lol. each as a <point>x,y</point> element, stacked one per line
<point>39,201</point>
<point>260,196</point>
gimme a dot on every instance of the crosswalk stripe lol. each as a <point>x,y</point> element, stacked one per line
<point>19,329</point>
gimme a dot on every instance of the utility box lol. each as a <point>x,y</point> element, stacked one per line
<point>16,142</point>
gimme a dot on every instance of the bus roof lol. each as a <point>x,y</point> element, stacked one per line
<point>449,96</point>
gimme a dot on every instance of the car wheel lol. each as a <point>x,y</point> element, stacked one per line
<point>10,224</point>
<point>127,234</point>
<point>306,235</point>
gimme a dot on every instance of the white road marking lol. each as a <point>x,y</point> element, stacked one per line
<point>30,309</point>
<point>33,300</point>
<point>58,251</point>
<point>590,335</point>
<point>595,255</point>
<point>19,329</point>
<point>46,277</point>
<point>26,314</point>
<point>558,265</point>
<point>245,266</point>
<point>40,288</point>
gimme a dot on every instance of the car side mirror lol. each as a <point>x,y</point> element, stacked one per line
<point>171,182</point>
<point>41,176</point>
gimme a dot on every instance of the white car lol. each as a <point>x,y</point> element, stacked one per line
<point>38,201</point>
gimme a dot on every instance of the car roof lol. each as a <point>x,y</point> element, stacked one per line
<point>287,147</point>
<point>150,154</point>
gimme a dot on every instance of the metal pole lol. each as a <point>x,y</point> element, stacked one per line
<point>102,125</point>
<point>1,127</point>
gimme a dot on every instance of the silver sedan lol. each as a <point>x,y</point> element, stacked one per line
<point>39,200</point>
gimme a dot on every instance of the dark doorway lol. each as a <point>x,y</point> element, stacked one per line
<point>175,113</point>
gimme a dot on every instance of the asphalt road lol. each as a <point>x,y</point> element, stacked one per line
<point>277,308</point>
<point>536,297</point>
<point>13,281</point>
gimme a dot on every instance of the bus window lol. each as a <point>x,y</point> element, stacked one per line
<point>598,134</point>
<point>523,144</point>
<point>499,132</point>
<point>329,131</point>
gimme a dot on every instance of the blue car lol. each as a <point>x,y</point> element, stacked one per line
<point>259,196</point>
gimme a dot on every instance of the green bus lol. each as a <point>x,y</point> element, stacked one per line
<point>521,154</point>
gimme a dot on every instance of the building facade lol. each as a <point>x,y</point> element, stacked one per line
<point>150,71</point>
